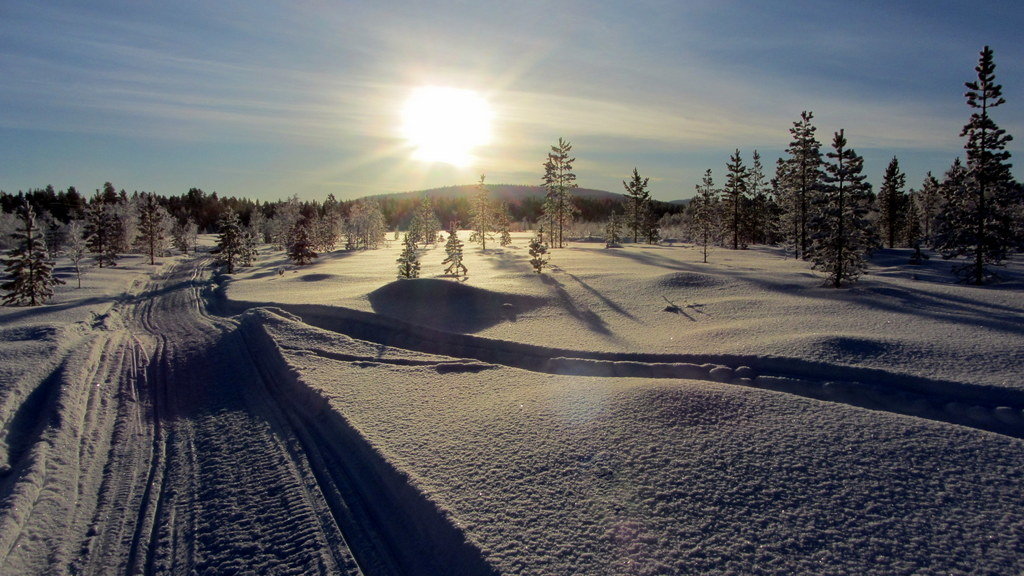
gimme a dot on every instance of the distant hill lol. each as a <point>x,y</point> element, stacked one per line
<point>452,203</point>
<point>511,193</point>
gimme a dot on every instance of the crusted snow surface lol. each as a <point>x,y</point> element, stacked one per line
<point>564,474</point>
<point>630,411</point>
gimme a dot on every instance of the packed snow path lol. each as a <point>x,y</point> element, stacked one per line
<point>165,453</point>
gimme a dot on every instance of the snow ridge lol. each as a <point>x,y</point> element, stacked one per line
<point>989,408</point>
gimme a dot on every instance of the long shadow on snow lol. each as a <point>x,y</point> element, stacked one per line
<point>873,388</point>
<point>390,526</point>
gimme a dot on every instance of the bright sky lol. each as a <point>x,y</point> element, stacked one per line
<point>268,99</point>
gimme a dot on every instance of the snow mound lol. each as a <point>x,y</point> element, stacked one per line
<point>449,306</point>
<point>689,280</point>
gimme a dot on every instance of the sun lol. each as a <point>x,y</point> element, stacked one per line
<point>446,124</point>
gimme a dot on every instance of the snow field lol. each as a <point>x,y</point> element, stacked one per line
<point>564,474</point>
<point>911,320</point>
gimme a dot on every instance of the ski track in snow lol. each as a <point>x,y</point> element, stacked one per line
<point>193,464</point>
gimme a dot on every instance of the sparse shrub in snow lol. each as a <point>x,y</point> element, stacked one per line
<point>29,270</point>
<point>453,248</point>
<point>538,252</point>
<point>409,260</point>
<point>76,247</point>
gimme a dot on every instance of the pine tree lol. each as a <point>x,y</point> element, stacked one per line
<point>365,226</point>
<point>559,181</point>
<point>300,250</point>
<point>734,198</point>
<point>613,231</point>
<point>503,223</point>
<point>803,172</point>
<point>247,256</point>
<point>930,203</point>
<point>424,226</point>
<point>977,219</point>
<point>892,203</point>
<point>151,226</point>
<point>638,198</point>
<point>705,213</point>
<point>912,230</point>
<point>842,236</point>
<point>77,245</point>
<point>760,211</point>
<point>409,260</point>
<point>481,215</point>
<point>102,228</point>
<point>453,249</point>
<point>29,270</point>
<point>229,243</point>
<point>538,252</point>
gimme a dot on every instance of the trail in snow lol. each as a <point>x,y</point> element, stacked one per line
<point>165,449</point>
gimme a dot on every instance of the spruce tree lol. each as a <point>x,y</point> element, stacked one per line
<point>734,198</point>
<point>559,181</point>
<point>103,229</point>
<point>705,207</point>
<point>760,213</point>
<point>503,223</point>
<point>453,250</point>
<point>151,226</point>
<point>613,231</point>
<point>892,203</point>
<point>538,252</point>
<point>409,259</point>
<point>804,174</point>
<point>300,250</point>
<point>28,269</point>
<point>481,215</point>
<point>842,235</point>
<point>977,219</point>
<point>930,203</point>
<point>229,243</point>
<point>638,198</point>
<point>424,226</point>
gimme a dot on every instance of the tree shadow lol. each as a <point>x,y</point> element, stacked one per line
<point>612,305</point>
<point>588,317</point>
<point>449,305</point>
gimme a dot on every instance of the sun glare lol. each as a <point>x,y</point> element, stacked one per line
<point>446,124</point>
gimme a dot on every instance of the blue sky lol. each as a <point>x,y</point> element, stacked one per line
<point>266,100</point>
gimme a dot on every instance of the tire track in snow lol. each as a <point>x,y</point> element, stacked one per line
<point>989,408</point>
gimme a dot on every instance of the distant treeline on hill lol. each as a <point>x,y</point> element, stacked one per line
<point>451,204</point>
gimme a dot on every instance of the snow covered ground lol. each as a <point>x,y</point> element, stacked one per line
<point>630,411</point>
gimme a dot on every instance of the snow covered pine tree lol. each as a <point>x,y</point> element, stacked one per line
<point>30,272</point>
